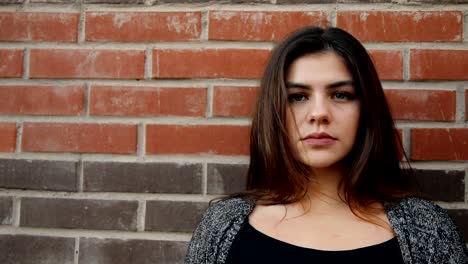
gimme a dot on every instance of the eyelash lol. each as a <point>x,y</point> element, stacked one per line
<point>299,97</point>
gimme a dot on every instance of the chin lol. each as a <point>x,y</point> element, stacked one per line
<point>321,161</point>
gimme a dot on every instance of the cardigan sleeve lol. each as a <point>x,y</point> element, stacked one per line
<point>212,237</point>
<point>429,234</point>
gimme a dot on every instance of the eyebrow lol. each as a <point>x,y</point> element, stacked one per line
<point>334,85</point>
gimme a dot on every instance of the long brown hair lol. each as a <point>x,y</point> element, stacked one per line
<point>275,174</point>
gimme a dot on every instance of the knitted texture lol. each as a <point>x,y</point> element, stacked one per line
<point>425,232</point>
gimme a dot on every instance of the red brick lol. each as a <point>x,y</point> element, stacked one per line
<point>439,144</point>
<point>7,137</point>
<point>143,26</point>
<point>439,64</point>
<point>413,104</point>
<point>67,137</point>
<point>389,64</point>
<point>147,101</point>
<point>190,139</point>
<point>107,64</point>
<point>41,100</point>
<point>260,25</point>
<point>11,63</point>
<point>234,101</point>
<point>209,63</point>
<point>382,26</point>
<point>19,26</point>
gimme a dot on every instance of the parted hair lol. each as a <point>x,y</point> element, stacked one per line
<point>375,170</point>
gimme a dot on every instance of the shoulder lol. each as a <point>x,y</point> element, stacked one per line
<point>217,228</point>
<point>426,231</point>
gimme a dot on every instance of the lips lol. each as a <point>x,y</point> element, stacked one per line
<point>319,139</point>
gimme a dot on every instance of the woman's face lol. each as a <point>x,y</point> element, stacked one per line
<point>323,111</point>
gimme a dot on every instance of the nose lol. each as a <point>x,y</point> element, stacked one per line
<point>319,110</point>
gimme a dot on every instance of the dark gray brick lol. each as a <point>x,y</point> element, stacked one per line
<point>460,217</point>
<point>11,2</point>
<point>77,213</point>
<point>172,216</point>
<point>142,177</point>
<point>441,185</point>
<point>6,209</point>
<point>38,174</point>
<point>117,251</point>
<point>27,249</point>
<point>226,178</point>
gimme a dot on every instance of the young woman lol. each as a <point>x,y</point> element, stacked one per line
<point>325,183</point>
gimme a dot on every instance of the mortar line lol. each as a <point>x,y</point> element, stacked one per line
<point>406,141</point>
<point>465,27</point>
<point>87,99</point>
<point>99,234</point>
<point>141,216</point>
<point>460,114</point>
<point>204,179</point>
<point>80,176</point>
<point>205,25</point>
<point>406,64</point>
<point>26,62</point>
<point>82,26</point>
<point>19,137</point>
<point>141,143</point>
<point>332,17</point>
<point>148,64</point>
<point>16,211</point>
<point>209,100</point>
<point>76,257</point>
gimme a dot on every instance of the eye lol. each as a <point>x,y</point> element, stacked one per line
<point>297,97</point>
<point>342,96</point>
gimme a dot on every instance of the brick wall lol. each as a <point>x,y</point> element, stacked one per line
<point>119,122</point>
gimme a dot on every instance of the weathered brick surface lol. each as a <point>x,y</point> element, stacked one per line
<point>74,63</point>
<point>147,101</point>
<point>143,27</point>
<point>389,64</point>
<point>226,178</point>
<point>28,249</point>
<point>412,104</point>
<point>78,213</point>
<point>190,139</point>
<point>173,216</point>
<point>38,174</point>
<point>142,177</point>
<point>6,210</point>
<point>7,137</point>
<point>119,251</point>
<point>92,138</point>
<point>41,100</point>
<point>260,25</point>
<point>460,217</point>
<point>11,63</point>
<point>440,185</point>
<point>412,26</point>
<point>234,101</point>
<point>209,63</point>
<point>34,26</point>
<point>435,64</point>
<point>439,144</point>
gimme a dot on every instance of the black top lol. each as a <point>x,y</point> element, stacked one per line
<point>252,246</point>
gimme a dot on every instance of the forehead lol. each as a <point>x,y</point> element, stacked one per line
<point>323,67</point>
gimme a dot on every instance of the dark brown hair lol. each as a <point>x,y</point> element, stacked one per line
<point>276,176</point>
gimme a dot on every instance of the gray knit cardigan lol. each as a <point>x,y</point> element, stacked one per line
<point>425,232</point>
